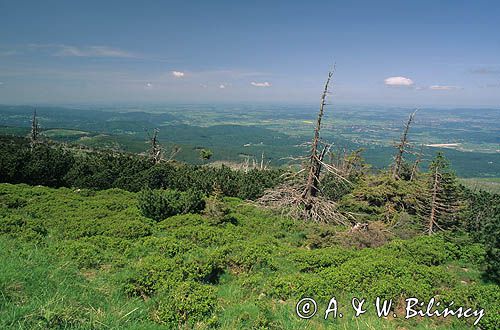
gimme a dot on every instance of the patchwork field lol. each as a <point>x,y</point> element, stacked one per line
<point>238,133</point>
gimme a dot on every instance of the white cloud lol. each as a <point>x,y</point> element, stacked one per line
<point>178,74</point>
<point>260,84</point>
<point>222,86</point>
<point>443,88</point>
<point>63,50</point>
<point>149,85</point>
<point>91,51</point>
<point>398,81</point>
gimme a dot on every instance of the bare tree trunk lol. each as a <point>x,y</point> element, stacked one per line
<point>175,150</point>
<point>35,130</point>
<point>300,198</point>
<point>246,164</point>
<point>315,159</point>
<point>155,152</point>
<point>434,202</point>
<point>401,148</point>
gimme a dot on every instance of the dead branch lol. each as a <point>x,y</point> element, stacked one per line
<point>432,216</point>
<point>288,198</point>
<point>299,196</point>
<point>157,151</point>
<point>314,163</point>
<point>35,131</point>
<point>401,148</point>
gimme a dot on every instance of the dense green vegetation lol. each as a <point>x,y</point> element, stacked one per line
<point>54,165</point>
<point>96,238</point>
<point>89,259</point>
<point>237,132</point>
<point>161,204</point>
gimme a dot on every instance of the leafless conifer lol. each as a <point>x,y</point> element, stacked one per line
<point>156,151</point>
<point>402,148</point>
<point>299,197</point>
<point>35,130</point>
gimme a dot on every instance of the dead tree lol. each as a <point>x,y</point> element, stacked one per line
<point>402,148</point>
<point>175,150</point>
<point>35,130</point>
<point>155,150</point>
<point>348,164</point>
<point>316,157</point>
<point>246,164</point>
<point>300,195</point>
<point>434,202</point>
<point>260,166</point>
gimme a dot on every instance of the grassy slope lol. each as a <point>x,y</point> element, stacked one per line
<point>67,256</point>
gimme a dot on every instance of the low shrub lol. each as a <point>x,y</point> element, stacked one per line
<point>111,226</point>
<point>379,275</point>
<point>437,249</point>
<point>316,260</point>
<point>217,212</point>
<point>130,229</point>
<point>92,252</point>
<point>206,235</point>
<point>192,201</point>
<point>84,254</point>
<point>156,273</point>
<point>426,250</point>
<point>179,221</point>
<point>492,247</point>
<point>203,265</point>
<point>166,246</point>
<point>12,202</point>
<point>161,204</point>
<point>477,296</point>
<point>248,256</point>
<point>323,236</point>
<point>22,227</point>
<point>375,234</point>
<point>297,286</point>
<point>151,274</point>
<point>368,276</point>
<point>187,304</point>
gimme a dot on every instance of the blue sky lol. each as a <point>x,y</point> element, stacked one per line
<point>386,52</point>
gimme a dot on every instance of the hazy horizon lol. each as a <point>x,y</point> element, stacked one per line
<point>313,105</point>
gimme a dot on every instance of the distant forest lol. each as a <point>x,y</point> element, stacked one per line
<point>232,139</point>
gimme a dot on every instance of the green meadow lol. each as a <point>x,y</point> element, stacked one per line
<point>84,259</point>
